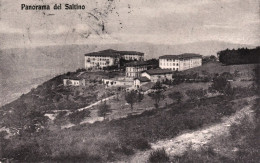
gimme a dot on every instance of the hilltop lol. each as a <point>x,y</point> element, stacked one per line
<point>21,67</point>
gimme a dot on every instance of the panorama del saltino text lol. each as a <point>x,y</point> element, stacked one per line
<point>55,6</point>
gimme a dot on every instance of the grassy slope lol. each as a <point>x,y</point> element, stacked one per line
<point>216,67</point>
<point>119,138</point>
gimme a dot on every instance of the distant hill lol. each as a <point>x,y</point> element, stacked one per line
<point>21,67</point>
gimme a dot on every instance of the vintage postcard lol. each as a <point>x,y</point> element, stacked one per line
<point>138,81</point>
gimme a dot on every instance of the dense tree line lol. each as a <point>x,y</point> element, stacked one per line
<point>239,56</point>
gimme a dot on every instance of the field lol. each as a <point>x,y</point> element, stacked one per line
<point>244,72</point>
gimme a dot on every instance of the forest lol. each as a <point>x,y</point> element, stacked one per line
<point>239,56</point>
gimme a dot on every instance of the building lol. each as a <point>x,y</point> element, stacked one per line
<point>139,81</point>
<point>180,62</point>
<point>133,69</point>
<point>74,81</point>
<point>110,57</point>
<point>132,55</point>
<point>118,82</point>
<point>155,75</point>
<point>101,59</point>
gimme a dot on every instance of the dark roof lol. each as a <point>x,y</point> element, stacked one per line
<point>181,56</point>
<point>113,53</point>
<point>158,71</point>
<point>136,63</point>
<point>72,78</point>
<point>131,53</point>
<point>142,79</point>
<point>108,53</point>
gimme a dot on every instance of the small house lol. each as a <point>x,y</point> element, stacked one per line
<point>155,75</point>
<point>138,82</point>
<point>74,81</point>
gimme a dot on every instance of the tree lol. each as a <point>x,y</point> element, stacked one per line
<point>157,95</point>
<point>195,95</point>
<point>175,96</point>
<point>158,86</point>
<point>221,85</point>
<point>131,98</point>
<point>104,109</point>
<point>140,96</point>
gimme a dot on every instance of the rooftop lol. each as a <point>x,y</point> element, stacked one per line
<point>142,79</point>
<point>136,63</point>
<point>106,53</point>
<point>158,71</point>
<point>181,56</point>
<point>113,53</point>
<point>73,78</point>
<point>131,53</point>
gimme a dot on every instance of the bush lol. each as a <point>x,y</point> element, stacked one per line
<point>125,150</point>
<point>159,156</point>
<point>244,128</point>
<point>78,158</point>
<point>78,116</point>
<point>141,144</point>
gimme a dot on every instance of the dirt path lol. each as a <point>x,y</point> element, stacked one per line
<point>194,140</point>
<point>98,102</point>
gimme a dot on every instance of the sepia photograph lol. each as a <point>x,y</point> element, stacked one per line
<point>130,81</point>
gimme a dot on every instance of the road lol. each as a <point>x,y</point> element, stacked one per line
<point>193,140</point>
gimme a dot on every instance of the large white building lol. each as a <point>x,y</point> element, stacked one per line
<point>180,62</point>
<point>110,57</point>
<point>101,59</point>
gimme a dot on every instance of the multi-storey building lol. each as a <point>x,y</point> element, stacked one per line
<point>101,59</point>
<point>180,62</point>
<point>110,57</point>
<point>133,69</point>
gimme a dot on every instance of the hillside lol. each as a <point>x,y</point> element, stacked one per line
<point>36,121</point>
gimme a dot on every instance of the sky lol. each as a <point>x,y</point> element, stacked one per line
<point>168,22</point>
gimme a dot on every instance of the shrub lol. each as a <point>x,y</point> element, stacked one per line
<point>245,127</point>
<point>78,116</point>
<point>175,96</point>
<point>159,156</point>
<point>77,158</point>
<point>125,150</point>
<point>103,110</point>
<point>141,144</point>
<point>195,95</point>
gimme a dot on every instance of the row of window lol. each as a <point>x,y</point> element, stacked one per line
<point>173,69</point>
<point>168,60</point>
<point>98,59</point>
<point>135,69</point>
<point>99,63</point>
<point>169,64</point>
<point>132,74</point>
